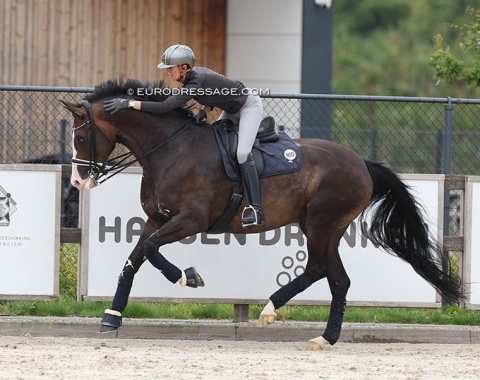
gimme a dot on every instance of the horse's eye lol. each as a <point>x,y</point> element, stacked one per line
<point>81,139</point>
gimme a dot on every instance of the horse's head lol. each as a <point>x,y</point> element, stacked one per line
<point>95,131</point>
<point>93,142</point>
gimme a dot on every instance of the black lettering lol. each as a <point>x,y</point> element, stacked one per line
<point>293,232</point>
<point>189,239</point>
<point>131,231</point>
<point>363,238</point>
<point>204,239</point>
<point>115,229</point>
<point>274,240</point>
<point>240,238</point>
<point>350,238</point>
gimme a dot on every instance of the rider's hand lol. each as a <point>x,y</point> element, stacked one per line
<point>115,105</point>
<point>200,116</point>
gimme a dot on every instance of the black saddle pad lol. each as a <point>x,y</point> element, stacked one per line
<point>283,157</point>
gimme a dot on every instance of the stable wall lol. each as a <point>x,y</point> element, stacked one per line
<point>84,42</point>
<point>264,44</point>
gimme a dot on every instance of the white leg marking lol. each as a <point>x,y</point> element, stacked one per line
<point>318,343</point>
<point>183,280</point>
<point>129,264</point>
<point>267,315</point>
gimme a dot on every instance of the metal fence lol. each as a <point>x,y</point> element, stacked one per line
<point>410,135</point>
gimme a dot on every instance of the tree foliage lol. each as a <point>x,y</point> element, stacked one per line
<point>383,47</point>
<point>447,66</point>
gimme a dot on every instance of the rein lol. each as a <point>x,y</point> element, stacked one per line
<point>100,172</point>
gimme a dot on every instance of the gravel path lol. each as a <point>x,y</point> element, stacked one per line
<point>27,357</point>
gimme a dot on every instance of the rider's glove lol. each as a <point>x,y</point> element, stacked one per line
<point>115,105</point>
<point>200,116</point>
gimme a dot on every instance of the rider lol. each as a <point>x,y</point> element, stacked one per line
<point>212,90</point>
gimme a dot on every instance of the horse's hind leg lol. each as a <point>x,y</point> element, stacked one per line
<point>283,295</point>
<point>286,293</point>
<point>324,261</point>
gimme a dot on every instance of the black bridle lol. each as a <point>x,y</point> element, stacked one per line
<point>99,172</point>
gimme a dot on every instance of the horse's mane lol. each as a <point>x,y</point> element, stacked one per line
<point>150,91</point>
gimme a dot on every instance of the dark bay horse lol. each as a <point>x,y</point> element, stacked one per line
<point>185,189</point>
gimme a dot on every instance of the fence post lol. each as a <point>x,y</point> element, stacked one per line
<point>317,43</point>
<point>63,134</point>
<point>316,119</point>
<point>438,152</point>
<point>63,158</point>
<point>240,313</point>
<point>446,170</point>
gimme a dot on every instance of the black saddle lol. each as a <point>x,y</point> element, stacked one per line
<point>228,132</point>
<point>274,153</point>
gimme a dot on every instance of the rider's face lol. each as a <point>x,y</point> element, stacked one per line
<point>174,73</point>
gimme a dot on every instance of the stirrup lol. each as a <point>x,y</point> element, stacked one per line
<point>254,218</point>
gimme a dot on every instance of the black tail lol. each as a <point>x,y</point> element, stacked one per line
<point>399,228</point>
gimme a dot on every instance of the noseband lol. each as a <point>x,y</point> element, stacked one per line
<point>96,169</point>
<point>100,172</point>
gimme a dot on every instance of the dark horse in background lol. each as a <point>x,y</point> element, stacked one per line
<point>185,190</point>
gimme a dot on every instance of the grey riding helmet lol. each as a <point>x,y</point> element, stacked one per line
<point>177,55</point>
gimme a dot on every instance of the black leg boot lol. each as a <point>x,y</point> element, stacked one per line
<point>253,213</point>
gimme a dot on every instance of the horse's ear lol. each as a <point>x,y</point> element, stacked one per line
<point>73,108</point>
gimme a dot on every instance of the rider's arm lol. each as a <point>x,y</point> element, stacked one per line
<point>186,94</point>
<point>171,103</point>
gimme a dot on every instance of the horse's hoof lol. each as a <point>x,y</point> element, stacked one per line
<point>312,346</point>
<point>194,280</point>
<point>107,328</point>
<point>111,321</point>
<point>318,344</point>
<point>266,319</point>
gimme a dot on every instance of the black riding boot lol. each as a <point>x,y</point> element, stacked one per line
<point>253,213</point>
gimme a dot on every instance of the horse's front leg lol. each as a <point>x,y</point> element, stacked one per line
<point>112,318</point>
<point>146,248</point>
<point>168,233</point>
<point>188,277</point>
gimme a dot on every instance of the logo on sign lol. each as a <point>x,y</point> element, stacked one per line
<point>291,270</point>
<point>7,207</point>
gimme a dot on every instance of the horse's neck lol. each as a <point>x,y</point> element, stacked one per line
<point>143,133</point>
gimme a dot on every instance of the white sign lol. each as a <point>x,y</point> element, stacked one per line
<point>29,231</point>
<point>243,267</point>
